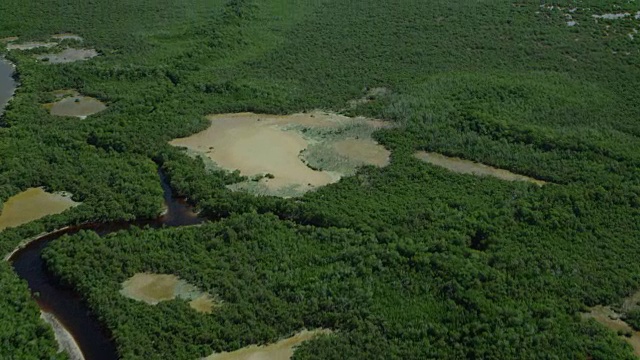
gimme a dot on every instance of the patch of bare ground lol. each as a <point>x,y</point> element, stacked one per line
<point>282,350</point>
<point>9,39</point>
<point>75,105</point>
<point>33,204</point>
<point>610,319</point>
<point>68,55</point>
<point>66,36</point>
<point>30,45</point>
<point>271,145</point>
<point>155,288</point>
<point>469,167</point>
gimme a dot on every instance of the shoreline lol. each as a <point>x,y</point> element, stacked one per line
<point>65,340</point>
<point>63,337</point>
<point>24,243</point>
<point>13,76</point>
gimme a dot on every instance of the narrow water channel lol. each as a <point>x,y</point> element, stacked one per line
<point>93,340</point>
<point>7,83</point>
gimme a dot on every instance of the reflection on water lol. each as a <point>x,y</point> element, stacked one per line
<point>7,83</point>
<point>64,304</point>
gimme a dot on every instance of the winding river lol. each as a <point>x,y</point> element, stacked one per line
<point>68,308</point>
<point>7,83</point>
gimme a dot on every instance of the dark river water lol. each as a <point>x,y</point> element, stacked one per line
<point>94,341</point>
<point>7,83</point>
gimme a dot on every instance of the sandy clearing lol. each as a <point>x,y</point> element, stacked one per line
<point>30,45</point>
<point>66,36</point>
<point>282,350</point>
<point>609,318</point>
<point>9,39</point>
<point>150,288</point>
<point>258,144</point>
<point>155,288</point>
<point>68,55</point>
<point>203,304</point>
<point>76,106</point>
<point>33,204</point>
<point>366,151</point>
<point>65,340</point>
<point>469,167</point>
<point>611,16</point>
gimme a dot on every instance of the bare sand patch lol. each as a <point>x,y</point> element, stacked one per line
<point>68,55</point>
<point>66,36</point>
<point>73,104</point>
<point>155,288</point>
<point>611,16</point>
<point>469,167</point>
<point>65,340</point>
<point>609,318</point>
<point>271,145</point>
<point>282,350</point>
<point>203,304</point>
<point>33,204</point>
<point>9,39</point>
<point>30,45</point>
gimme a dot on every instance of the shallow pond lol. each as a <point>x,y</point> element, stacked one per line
<point>33,204</point>
<point>271,146</point>
<point>76,106</point>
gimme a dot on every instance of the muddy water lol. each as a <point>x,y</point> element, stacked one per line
<point>7,83</point>
<point>33,204</point>
<point>67,307</point>
<point>77,106</point>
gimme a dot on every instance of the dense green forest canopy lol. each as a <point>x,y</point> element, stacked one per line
<point>407,261</point>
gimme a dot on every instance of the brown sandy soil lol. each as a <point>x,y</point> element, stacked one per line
<point>76,106</point>
<point>366,151</point>
<point>155,288</point>
<point>68,55</point>
<point>609,318</point>
<point>9,39</point>
<point>150,288</point>
<point>30,45</point>
<point>203,304</point>
<point>31,205</point>
<point>258,144</point>
<point>469,167</point>
<point>282,350</point>
<point>66,36</point>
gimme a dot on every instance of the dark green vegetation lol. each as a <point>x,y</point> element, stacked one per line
<point>409,261</point>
